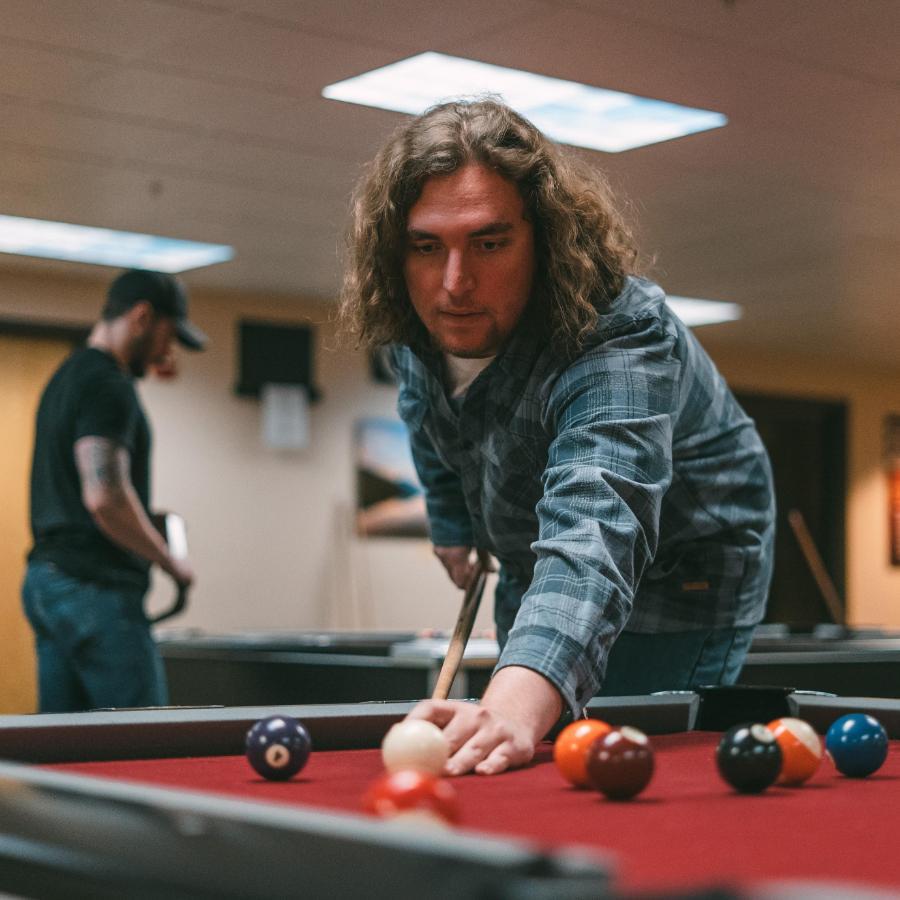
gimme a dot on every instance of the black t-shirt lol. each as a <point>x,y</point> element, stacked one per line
<point>88,396</point>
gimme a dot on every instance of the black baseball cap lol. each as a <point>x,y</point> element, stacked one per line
<point>165,293</point>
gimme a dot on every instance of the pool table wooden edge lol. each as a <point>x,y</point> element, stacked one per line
<point>72,835</point>
<point>220,731</point>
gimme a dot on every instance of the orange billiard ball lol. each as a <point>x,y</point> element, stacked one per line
<point>801,749</point>
<point>571,745</point>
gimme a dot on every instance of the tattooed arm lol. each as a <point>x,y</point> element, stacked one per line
<point>110,498</point>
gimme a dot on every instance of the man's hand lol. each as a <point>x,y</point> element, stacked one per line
<point>480,739</point>
<point>181,571</point>
<point>502,732</point>
<point>460,563</point>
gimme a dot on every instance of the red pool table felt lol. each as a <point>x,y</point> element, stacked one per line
<point>688,828</point>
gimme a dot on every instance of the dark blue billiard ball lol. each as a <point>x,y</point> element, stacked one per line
<point>278,747</point>
<point>857,744</point>
<point>749,758</point>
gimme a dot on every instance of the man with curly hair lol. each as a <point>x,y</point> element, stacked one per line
<point>562,420</point>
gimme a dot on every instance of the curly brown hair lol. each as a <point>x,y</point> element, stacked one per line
<point>583,249</point>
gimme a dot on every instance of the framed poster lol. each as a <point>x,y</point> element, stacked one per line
<point>389,498</point>
<point>892,459</point>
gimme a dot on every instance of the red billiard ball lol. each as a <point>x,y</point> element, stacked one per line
<point>620,764</point>
<point>411,791</point>
<point>801,749</point>
<point>571,745</point>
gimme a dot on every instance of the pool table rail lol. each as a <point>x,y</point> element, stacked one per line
<point>220,731</point>
<point>73,836</point>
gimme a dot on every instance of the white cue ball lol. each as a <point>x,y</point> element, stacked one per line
<point>415,744</point>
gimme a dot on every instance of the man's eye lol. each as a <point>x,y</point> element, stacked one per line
<point>424,249</point>
<point>491,244</point>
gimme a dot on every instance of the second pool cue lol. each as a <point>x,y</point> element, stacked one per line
<point>813,558</point>
<point>464,622</point>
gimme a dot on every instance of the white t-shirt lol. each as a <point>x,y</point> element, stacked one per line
<point>461,372</point>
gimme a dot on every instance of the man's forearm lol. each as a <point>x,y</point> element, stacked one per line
<point>123,520</point>
<point>110,498</point>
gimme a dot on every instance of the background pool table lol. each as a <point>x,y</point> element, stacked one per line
<point>346,667</point>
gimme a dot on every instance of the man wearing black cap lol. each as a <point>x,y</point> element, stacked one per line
<point>94,541</point>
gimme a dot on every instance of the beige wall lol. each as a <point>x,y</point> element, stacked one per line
<point>271,533</point>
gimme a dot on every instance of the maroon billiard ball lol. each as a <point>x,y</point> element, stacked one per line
<point>409,791</point>
<point>620,764</point>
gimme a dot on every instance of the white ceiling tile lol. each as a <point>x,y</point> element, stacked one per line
<point>850,37</point>
<point>27,71</point>
<point>189,101</point>
<point>162,151</point>
<point>120,28</point>
<point>396,23</point>
<point>267,55</point>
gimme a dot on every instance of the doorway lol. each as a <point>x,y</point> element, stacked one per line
<point>26,364</point>
<point>806,440</point>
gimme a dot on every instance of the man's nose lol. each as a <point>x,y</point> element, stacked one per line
<point>458,277</point>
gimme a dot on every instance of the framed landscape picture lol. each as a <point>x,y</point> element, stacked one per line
<point>389,498</point>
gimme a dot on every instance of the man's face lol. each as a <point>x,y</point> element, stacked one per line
<point>152,345</point>
<point>469,260</point>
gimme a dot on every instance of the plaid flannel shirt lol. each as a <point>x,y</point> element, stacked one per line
<point>621,489</point>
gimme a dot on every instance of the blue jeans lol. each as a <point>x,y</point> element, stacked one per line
<point>675,661</point>
<point>94,645</point>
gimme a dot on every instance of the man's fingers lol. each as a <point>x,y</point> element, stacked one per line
<point>468,756</point>
<point>498,760</point>
<point>486,560</point>
<point>457,562</point>
<point>440,712</point>
<point>458,720</point>
<point>473,744</point>
<point>460,573</point>
<point>479,740</point>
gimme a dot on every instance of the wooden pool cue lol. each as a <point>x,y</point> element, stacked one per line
<point>464,622</point>
<point>826,587</point>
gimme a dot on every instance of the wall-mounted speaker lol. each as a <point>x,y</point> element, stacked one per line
<point>274,353</point>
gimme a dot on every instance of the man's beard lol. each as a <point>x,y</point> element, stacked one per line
<point>137,362</point>
<point>469,354</point>
<point>138,368</point>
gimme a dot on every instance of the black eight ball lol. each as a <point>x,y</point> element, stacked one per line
<point>749,758</point>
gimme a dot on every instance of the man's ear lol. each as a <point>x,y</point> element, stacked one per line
<point>141,314</point>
